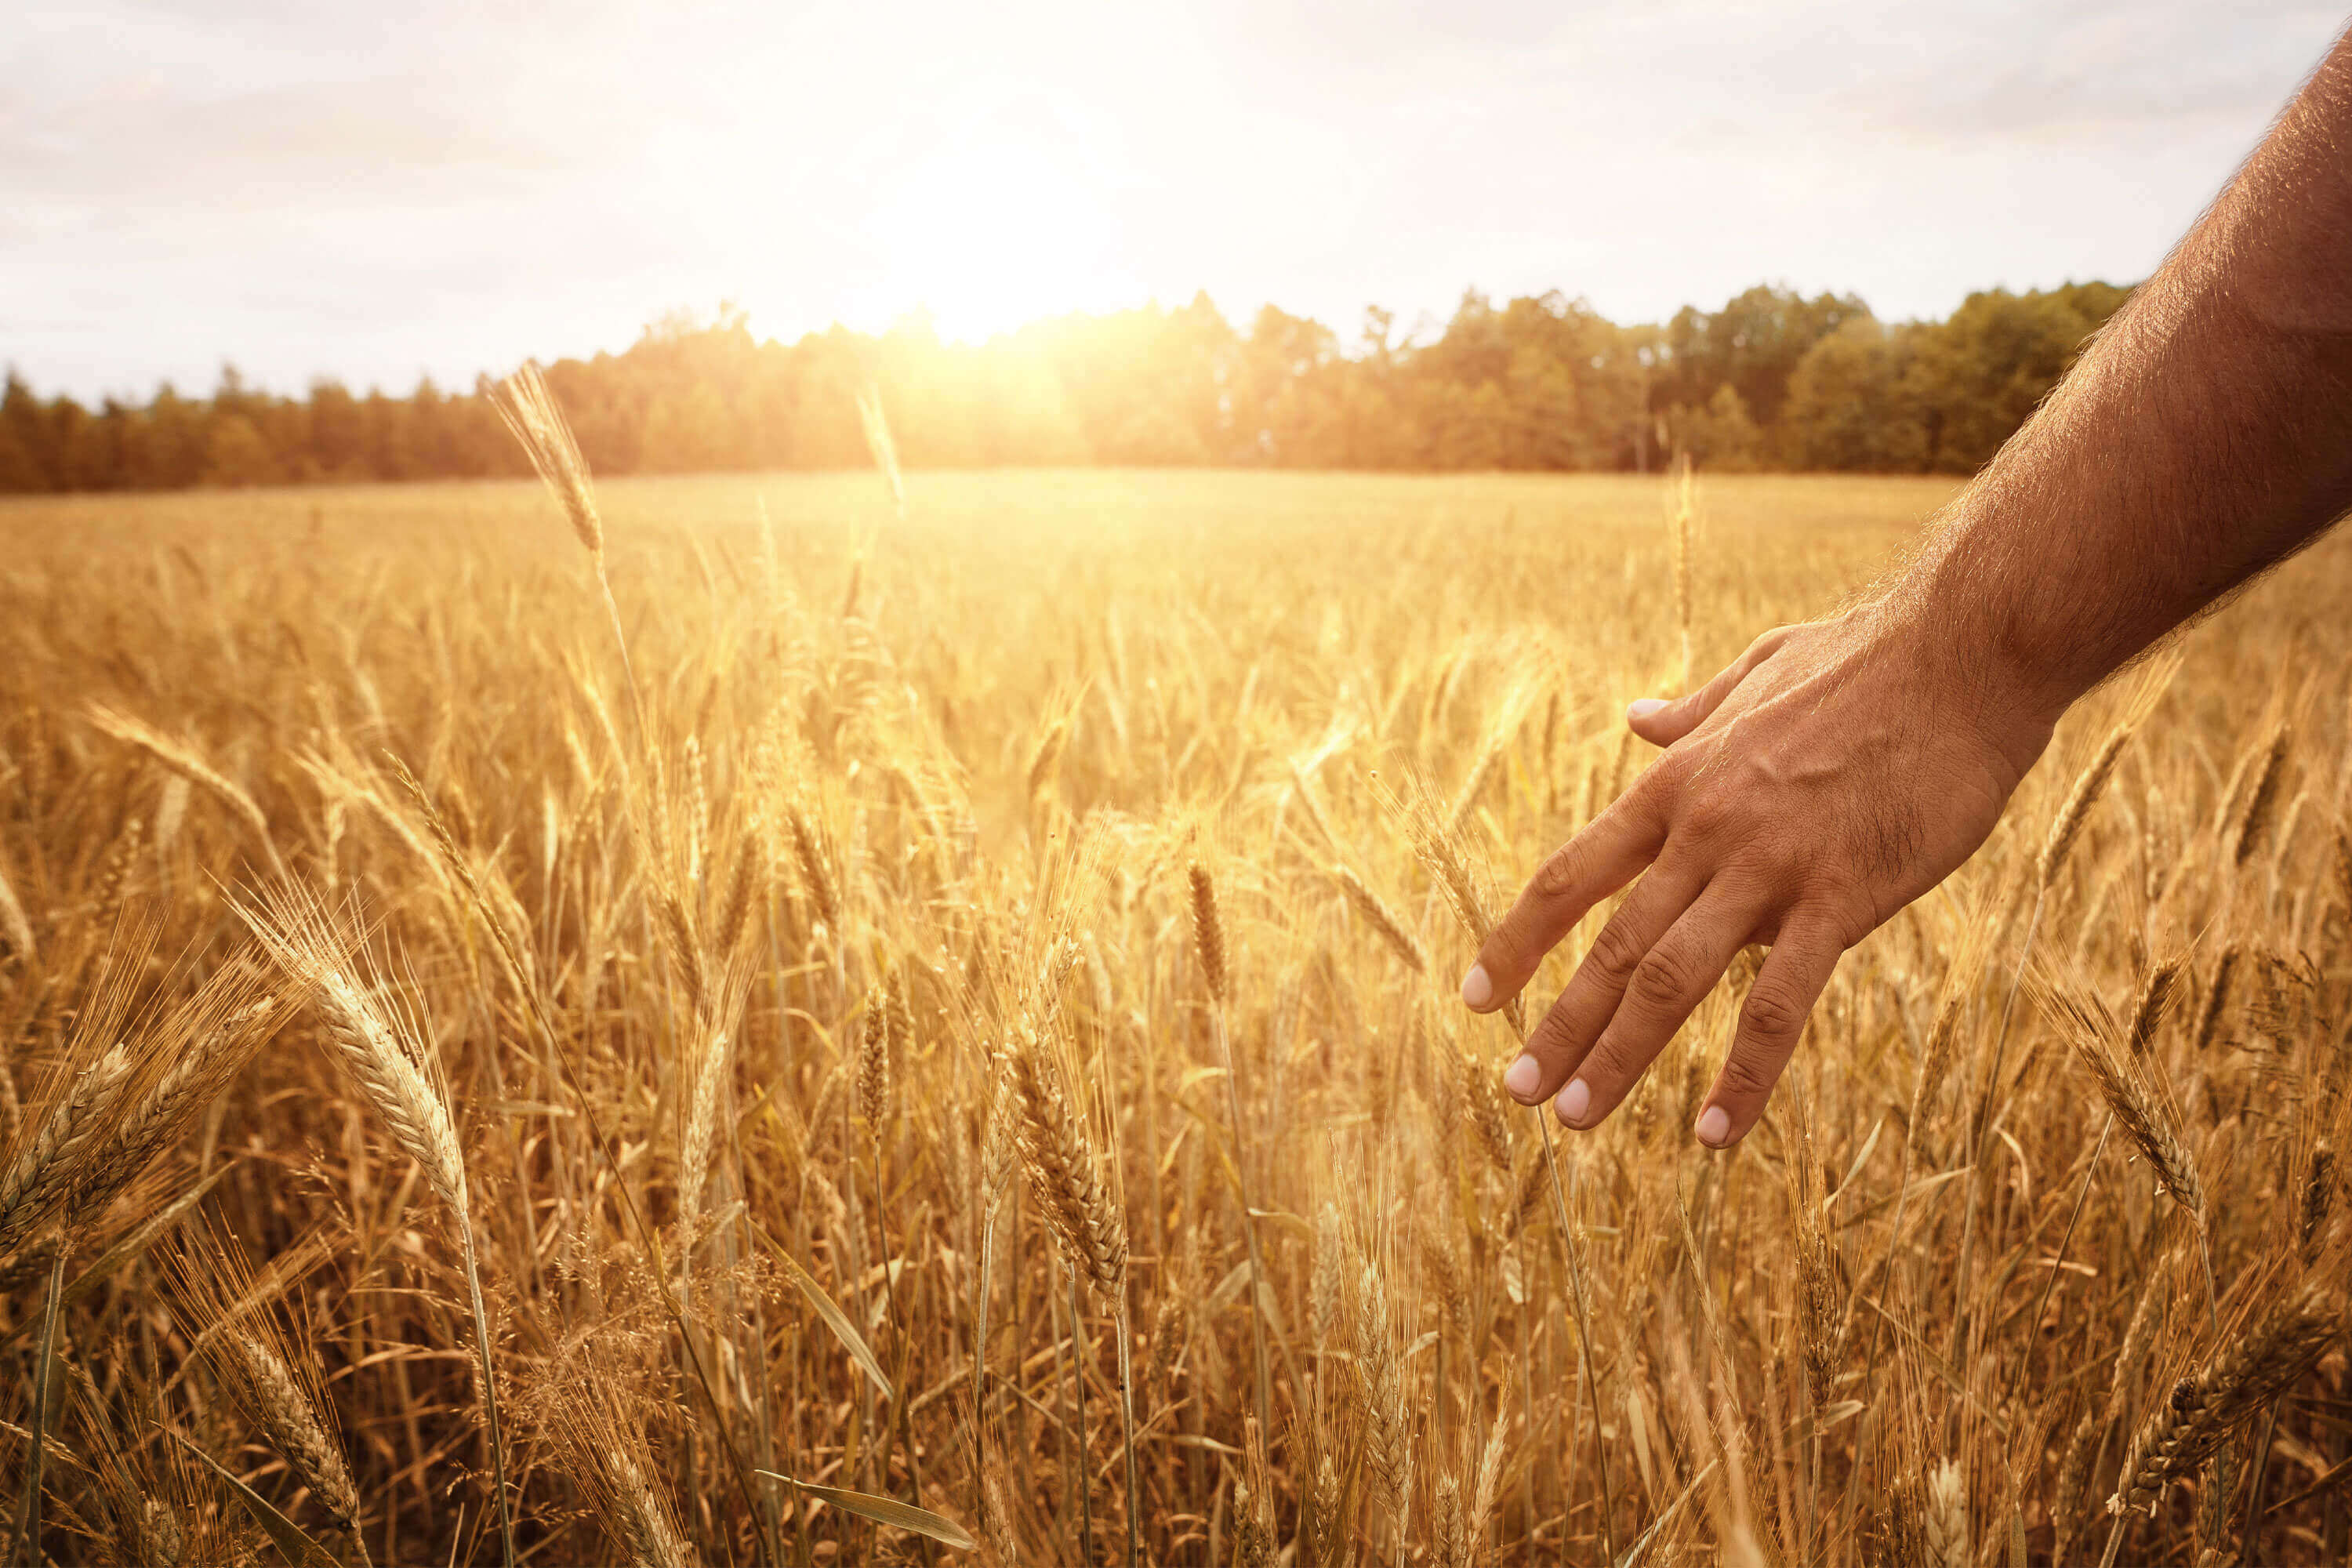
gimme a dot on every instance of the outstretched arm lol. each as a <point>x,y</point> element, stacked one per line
<point>1841,769</point>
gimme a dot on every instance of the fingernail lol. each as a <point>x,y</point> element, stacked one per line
<point>1522,1078</point>
<point>1574,1102</point>
<point>1644,707</point>
<point>1714,1126</point>
<point>1476,989</point>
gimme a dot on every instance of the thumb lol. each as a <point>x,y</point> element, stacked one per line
<point>1663,721</point>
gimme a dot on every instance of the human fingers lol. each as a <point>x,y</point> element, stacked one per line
<point>1588,868</point>
<point>1673,978</point>
<point>1772,1021</point>
<point>1663,721</point>
<point>1557,1044</point>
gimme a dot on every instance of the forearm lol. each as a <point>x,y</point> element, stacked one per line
<point>2204,437</point>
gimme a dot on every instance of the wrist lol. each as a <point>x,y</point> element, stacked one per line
<point>1973,670</point>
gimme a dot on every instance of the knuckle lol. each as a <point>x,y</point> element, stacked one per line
<point>1614,953</point>
<point>1708,815</point>
<point>1662,784</point>
<point>1508,949</point>
<point>1560,873</point>
<point>1665,978</point>
<point>1772,1014</point>
<point>1748,1076</point>
<point>1553,1040</point>
<point>1611,1067</point>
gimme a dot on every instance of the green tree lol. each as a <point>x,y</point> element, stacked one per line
<point>1977,374</point>
<point>1719,434</point>
<point>1753,343</point>
<point>236,455</point>
<point>1850,404</point>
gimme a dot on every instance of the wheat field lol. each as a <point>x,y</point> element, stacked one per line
<point>950,1050</point>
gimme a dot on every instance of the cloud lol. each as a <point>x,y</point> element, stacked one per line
<point>369,191</point>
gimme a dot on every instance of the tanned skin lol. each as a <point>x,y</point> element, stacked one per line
<point>1840,769</point>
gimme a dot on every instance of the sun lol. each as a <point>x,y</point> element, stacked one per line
<point>994,230</point>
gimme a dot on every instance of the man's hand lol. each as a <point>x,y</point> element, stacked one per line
<point>1841,769</point>
<point>1833,773</point>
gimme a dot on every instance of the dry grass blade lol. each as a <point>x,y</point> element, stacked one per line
<point>292,1542</point>
<point>887,1511</point>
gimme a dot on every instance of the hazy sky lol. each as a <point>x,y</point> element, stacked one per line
<point>372,190</point>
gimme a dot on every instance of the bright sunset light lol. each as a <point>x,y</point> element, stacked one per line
<point>995,230</point>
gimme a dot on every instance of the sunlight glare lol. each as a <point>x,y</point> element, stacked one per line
<point>991,233</point>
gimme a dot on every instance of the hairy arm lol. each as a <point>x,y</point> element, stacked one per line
<point>2206,435</point>
<point>1840,769</point>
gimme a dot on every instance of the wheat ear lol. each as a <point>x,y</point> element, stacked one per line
<point>185,762</point>
<point>1384,921</point>
<point>608,1454</point>
<point>380,1049</point>
<point>1085,1219</point>
<point>2259,802</point>
<point>1059,1157</point>
<point>529,411</point>
<point>2227,1392</point>
<point>1945,1517</point>
<point>884,449</point>
<point>2146,1120</point>
<point>38,1180</point>
<point>295,1427</point>
<point>702,1132</point>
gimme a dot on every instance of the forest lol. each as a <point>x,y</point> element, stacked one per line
<point>1772,380</point>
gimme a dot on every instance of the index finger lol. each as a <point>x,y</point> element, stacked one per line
<point>1581,872</point>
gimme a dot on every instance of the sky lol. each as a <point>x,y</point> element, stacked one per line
<point>369,192</point>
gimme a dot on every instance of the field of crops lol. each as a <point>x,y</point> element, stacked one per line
<point>952,1049</point>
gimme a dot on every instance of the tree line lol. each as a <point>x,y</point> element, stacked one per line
<point>1771,381</point>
